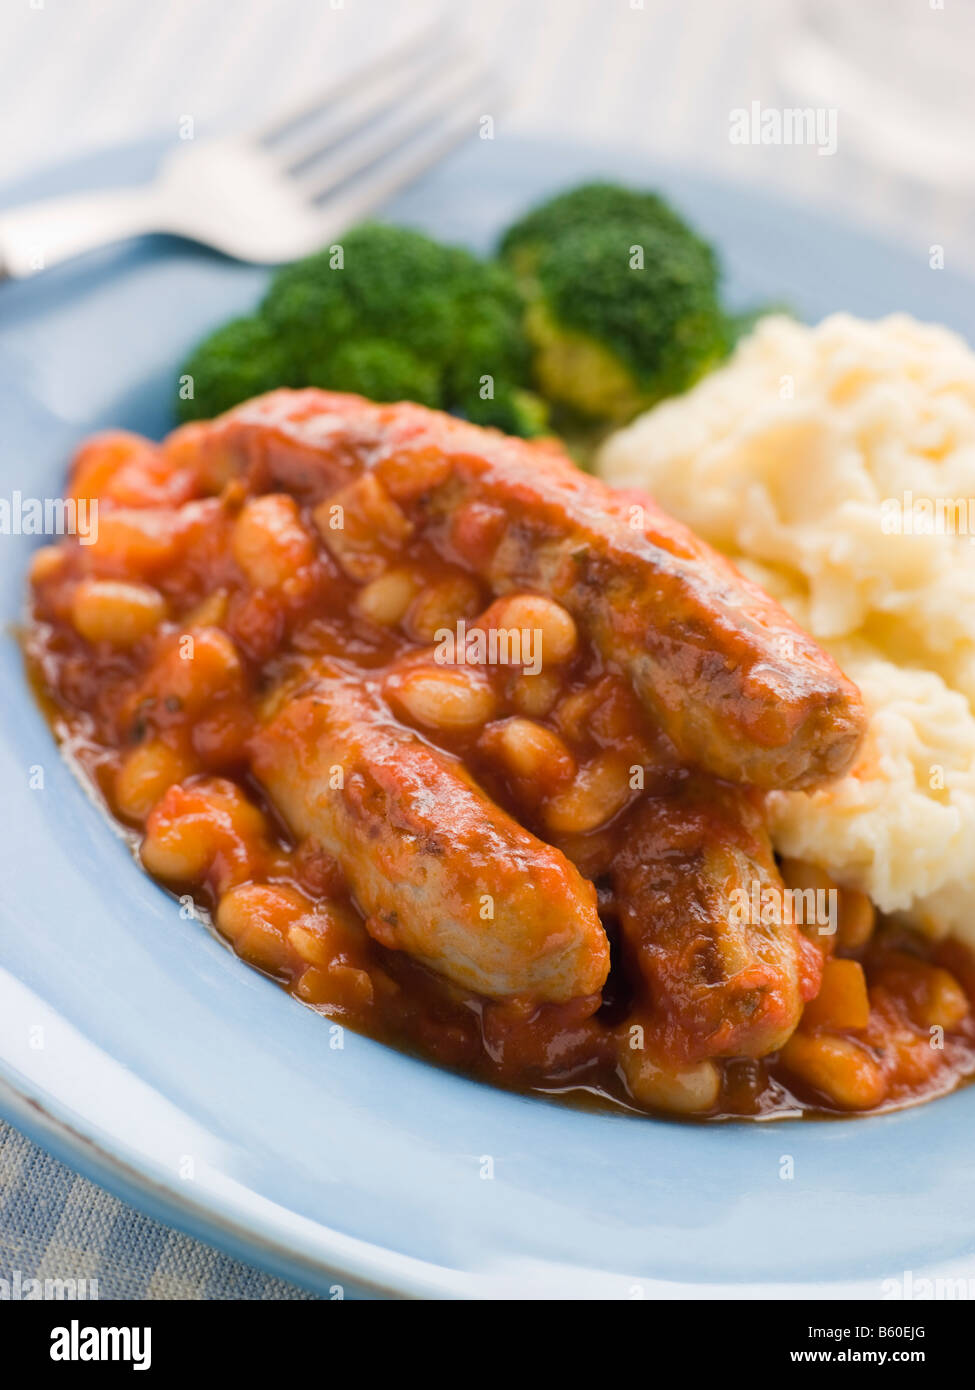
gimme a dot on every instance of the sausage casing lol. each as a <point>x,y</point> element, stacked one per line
<point>739,688</point>
<point>699,899</point>
<point>437,869</point>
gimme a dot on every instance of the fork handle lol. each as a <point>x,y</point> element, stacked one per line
<point>40,235</point>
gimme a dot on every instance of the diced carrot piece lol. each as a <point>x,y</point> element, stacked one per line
<point>842,1002</point>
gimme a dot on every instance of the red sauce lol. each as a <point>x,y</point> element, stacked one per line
<point>259,596</point>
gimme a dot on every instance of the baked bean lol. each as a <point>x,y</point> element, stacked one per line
<point>932,995</point>
<point>322,936</point>
<point>312,946</point>
<point>443,698</point>
<point>313,985</point>
<point>354,986</point>
<point>574,712</point>
<point>838,1067</point>
<point>857,919</point>
<point>98,461</point>
<point>193,669</point>
<point>206,829</point>
<point>556,629</point>
<point>946,1004</point>
<point>441,606</point>
<point>133,544</point>
<point>213,468</point>
<point>46,563</point>
<point>601,789</point>
<point>147,772</point>
<point>409,472</point>
<point>269,542</point>
<point>800,876</point>
<point>109,610</point>
<point>256,918</point>
<point>263,945</point>
<point>130,471</point>
<point>340,986</point>
<point>683,1090</point>
<point>534,696</point>
<point>177,850</point>
<point>592,854</point>
<point>384,600</point>
<point>214,659</point>
<point>529,750</point>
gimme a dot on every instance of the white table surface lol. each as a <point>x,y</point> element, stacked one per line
<point>658,74</point>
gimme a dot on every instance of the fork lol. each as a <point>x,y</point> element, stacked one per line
<point>288,188</point>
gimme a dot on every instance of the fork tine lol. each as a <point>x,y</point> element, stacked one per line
<point>393,129</point>
<point>402,164</point>
<point>371,100</point>
<point>439,29</point>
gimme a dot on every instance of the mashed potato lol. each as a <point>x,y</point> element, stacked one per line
<point>836,465</point>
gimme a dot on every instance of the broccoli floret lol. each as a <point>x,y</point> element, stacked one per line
<point>401,317</point>
<point>390,314</point>
<point>240,359</point>
<point>513,410</point>
<point>387,282</point>
<point>379,369</point>
<point>492,339</point>
<point>588,205</point>
<point>622,300</point>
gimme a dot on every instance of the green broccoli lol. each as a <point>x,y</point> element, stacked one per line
<point>392,315</point>
<point>240,359</point>
<point>379,369</point>
<point>389,282</point>
<point>512,409</point>
<point>622,300</point>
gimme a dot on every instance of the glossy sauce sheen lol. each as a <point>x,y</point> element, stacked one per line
<point>521,875</point>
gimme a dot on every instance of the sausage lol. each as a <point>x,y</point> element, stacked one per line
<point>693,880</point>
<point>738,687</point>
<point>437,869</point>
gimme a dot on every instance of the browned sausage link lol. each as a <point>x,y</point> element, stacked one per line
<point>436,867</point>
<point>738,687</point>
<point>694,879</point>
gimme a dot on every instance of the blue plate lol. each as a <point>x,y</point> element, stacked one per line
<point>139,1050</point>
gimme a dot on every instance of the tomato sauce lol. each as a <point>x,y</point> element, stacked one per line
<point>157,649</point>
